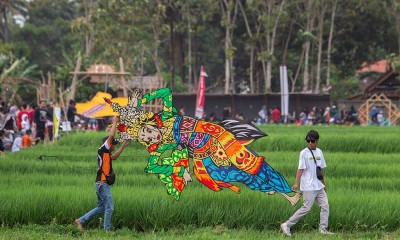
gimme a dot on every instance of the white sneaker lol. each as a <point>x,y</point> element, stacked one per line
<point>326,232</point>
<point>286,229</point>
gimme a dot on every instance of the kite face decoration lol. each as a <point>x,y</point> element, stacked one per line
<point>219,151</point>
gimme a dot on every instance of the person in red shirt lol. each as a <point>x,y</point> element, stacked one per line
<point>31,111</point>
<point>276,115</point>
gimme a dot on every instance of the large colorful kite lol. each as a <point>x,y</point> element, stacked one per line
<point>220,152</point>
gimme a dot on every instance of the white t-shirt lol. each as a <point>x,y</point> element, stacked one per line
<point>16,145</point>
<point>309,180</point>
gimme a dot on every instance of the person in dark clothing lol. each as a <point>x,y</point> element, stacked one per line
<point>50,123</point>
<point>39,120</point>
<point>71,112</point>
<point>2,149</point>
<point>105,159</point>
<point>226,113</point>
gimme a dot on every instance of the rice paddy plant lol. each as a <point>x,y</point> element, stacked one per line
<point>362,184</point>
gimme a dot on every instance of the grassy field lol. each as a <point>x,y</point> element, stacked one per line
<point>43,195</point>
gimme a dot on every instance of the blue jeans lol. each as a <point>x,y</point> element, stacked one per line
<point>104,204</point>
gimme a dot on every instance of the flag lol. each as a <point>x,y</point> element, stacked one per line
<point>200,95</point>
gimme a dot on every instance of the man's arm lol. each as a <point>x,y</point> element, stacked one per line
<point>298,176</point>
<point>115,155</point>
<point>113,127</point>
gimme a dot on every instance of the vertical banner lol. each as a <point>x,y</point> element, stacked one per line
<point>56,121</point>
<point>284,92</point>
<point>201,95</point>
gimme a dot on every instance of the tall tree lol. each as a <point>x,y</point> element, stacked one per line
<point>308,37</point>
<point>10,9</point>
<point>273,9</point>
<point>46,33</point>
<point>229,13</point>
<point>330,39</point>
<point>322,6</point>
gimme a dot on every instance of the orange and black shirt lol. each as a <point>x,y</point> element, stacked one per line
<point>104,161</point>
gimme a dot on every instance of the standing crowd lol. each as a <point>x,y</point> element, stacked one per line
<point>27,125</point>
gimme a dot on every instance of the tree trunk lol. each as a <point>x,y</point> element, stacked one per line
<point>75,78</point>
<point>287,43</point>
<point>252,46</point>
<point>172,49</point>
<point>328,62</point>
<point>252,69</point>
<point>298,71</point>
<point>320,43</point>
<point>227,45</point>
<point>89,34</point>
<point>307,46</point>
<point>5,26</point>
<point>306,74</point>
<point>189,63</point>
<point>228,20</point>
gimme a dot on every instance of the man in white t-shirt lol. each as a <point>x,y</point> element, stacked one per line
<point>312,188</point>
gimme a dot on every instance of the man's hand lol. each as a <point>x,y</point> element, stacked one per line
<point>126,142</point>
<point>294,188</point>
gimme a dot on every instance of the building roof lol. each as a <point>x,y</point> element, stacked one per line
<point>380,66</point>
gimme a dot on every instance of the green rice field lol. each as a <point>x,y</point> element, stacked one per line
<point>362,181</point>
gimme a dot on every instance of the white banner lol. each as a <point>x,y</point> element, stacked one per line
<point>284,92</point>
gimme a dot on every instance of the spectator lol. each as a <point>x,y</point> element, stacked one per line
<point>303,117</point>
<point>263,114</point>
<point>319,116</point>
<point>226,113</point>
<point>182,111</point>
<point>374,115</point>
<point>26,140</point>
<point>2,116</point>
<point>327,115</point>
<point>334,114</point>
<point>381,118</point>
<point>49,121</point>
<point>21,112</point>
<point>212,118</point>
<point>2,149</point>
<point>31,112</point>
<point>8,139</point>
<point>39,121</point>
<point>10,122</point>
<point>276,115</point>
<point>311,117</point>
<point>298,121</point>
<point>71,112</point>
<point>17,143</point>
<point>25,125</point>
<point>240,117</point>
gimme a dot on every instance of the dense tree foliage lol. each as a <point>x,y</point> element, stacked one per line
<point>241,43</point>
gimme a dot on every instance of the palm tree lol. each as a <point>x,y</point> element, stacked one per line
<point>15,75</point>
